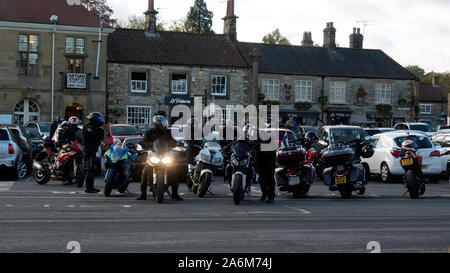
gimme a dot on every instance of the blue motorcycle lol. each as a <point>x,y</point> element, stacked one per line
<point>118,161</point>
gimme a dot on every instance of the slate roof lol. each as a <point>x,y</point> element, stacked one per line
<point>319,61</point>
<point>430,93</point>
<point>173,48</point>
<point>39,11</point>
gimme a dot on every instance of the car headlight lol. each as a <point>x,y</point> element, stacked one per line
<point>166,160</point>
<point>155,160</point>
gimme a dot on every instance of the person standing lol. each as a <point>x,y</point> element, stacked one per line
<point>291,124</point>
<point>265,167</point>
<point>93,134</point>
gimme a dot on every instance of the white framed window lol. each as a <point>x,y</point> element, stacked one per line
<point>28,54</point>
<point>138,82</point>
<point>139,115</point>
<point>271,89</point>
<point>75,45</point>
<point>219,85</point>
<point>338,92</point>
<point>303,91</point>
<point>179,84</point>
<point>26,110</point>
<point>383,92</point>
<point>425,108</point>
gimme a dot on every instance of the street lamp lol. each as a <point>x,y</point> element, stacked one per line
<point>54,20</point>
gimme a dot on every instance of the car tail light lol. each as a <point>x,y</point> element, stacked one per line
<point>10,149</point>
<point>435,153</point>
<point>293,172</point>
<point>396,153</point>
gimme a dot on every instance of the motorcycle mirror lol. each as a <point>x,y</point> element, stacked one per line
<point>328,139</point>
<point>139,148</point>
<point>367,138</point>
<point>421,138</point>
<point>131,146</point>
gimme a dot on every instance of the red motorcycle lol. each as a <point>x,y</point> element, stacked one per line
<point>64,164</point>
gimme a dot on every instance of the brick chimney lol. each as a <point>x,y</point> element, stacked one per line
<point>356,39</point>
<point>307,39</point>
<point>150,17</point>
<point>229,26</point>
<point>329,36</point>
<point>435,81</point>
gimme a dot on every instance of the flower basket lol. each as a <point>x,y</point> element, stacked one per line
<point>303,105</point>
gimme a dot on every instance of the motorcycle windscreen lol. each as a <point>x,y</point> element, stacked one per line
<point>161,146</point>
<point>241,150</point>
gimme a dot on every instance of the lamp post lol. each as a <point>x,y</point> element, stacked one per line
<point>54,20</point>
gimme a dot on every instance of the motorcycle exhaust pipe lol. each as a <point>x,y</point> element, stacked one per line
<point>37,165</point>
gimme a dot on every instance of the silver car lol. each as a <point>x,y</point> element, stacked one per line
<point>11,155</point>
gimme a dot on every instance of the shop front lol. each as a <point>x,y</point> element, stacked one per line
<point>306,118</point>
<point>338,116</point>
<point>382,119</point>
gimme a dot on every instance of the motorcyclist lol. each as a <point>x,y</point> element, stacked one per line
<point>159,131</point>
<point>192,143</point>
<point>60,134</point>
<point>73,132</point>
<point>54,126</point>
<point>93,134</point>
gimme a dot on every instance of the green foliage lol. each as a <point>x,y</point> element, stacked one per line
<point>94,8</point>
<point>261,96</point>
<point>444,78</point>
<point>275,37</point>
<point>179,26</point>
<point>323,100</point>
<point>416,70</point>
<point>402,101</point>
<point>303,105</point>
<point>384,108</point>
<point>199,18</point>
<point>138,22</point>
<point>271,102</point>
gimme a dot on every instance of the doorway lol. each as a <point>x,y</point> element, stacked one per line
<point>73,110</point>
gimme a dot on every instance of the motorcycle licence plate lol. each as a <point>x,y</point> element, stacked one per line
<point>338,180</point>
<point>407,161</point>
<point>293,180</point>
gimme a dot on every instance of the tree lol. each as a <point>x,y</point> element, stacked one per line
<point>444,78</point>
<point>275,38</point>
<point>416,70</point>
<point>138,22</point>
<point>179,26</point>
<point>199,18</point>
<point>94,8</point>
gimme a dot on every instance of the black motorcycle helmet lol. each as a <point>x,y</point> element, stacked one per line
<point>96,118</point>
<point>311,136</point>
<point>160,122</point>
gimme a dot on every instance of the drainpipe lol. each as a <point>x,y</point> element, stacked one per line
<point>322,93</point>
<point>53,19</point>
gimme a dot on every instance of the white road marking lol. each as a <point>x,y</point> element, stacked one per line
<point>9,206</point>
<point>46,206</point>
<point>6,186</point>
<point>126,206</point>
<point>64,192</point>
<point>297,209</point>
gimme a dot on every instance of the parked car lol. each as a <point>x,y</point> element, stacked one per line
<point>339,134</point>
<point>374,131</point>
<point>20,135</point>
<point>119,131</point>
<point>143,130</point>
<point>42,127</point>
<point>302,130</point>
<point>423,127</point>
<point>443,141</point>
<point>36,139</point>
<point>385,159</point>
<point>11,156</point>
<point>442,127</point>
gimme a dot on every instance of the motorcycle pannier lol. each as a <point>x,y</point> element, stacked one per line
<point>337,155</point>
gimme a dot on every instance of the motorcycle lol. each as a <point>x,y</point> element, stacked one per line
<point>206,162</point>
<point>296,172</point>
<point>242,170</point>
<point>60,165</point>
<point>117,164</point>
<point>413,178</point>
<point>342,168</point>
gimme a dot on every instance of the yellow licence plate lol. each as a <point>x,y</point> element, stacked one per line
<point>340,180</point>
<point>407,161</point>
<point>424,167</point>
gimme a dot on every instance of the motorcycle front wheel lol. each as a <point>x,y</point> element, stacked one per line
<point>109,183</point>
<point>160,188</point>
<point>80,174</point>
<point>412,184</point>
<point>345,190</point>
<point>205,182</point>
<point>237,189</point>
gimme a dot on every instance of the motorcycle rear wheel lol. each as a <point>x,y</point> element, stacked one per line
<point>412,184</point>
<point>300,191</point>
<point>81,175</point>
<point>204,185</point>
<point>237,189</point>
<point>345,190</point>
<point>41,176</point>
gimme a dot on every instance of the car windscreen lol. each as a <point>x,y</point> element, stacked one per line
<point>345,135</point>
<point>133,140</point>
<point>4,134</point>
<point>44,126</point>
<point>372,132</point>
<point>123,131</point>
<point>33,133</point>
<point>421,141</point>
<point>16,133</point>
<point>309,129</point>
<point>421,127</point>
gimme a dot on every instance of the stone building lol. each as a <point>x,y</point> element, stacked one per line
<point>26,41</point>
<point>433,103</point>
<point>332,84</point>
<point>149,72</point>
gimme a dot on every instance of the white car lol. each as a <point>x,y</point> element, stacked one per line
<point>418,126</point>
<point>443,140</point>
<point>386,161</point>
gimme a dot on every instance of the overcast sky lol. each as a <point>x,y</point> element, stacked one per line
<point>412,32</point>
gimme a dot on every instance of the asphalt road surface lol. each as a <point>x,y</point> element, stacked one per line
<point>45,218</point>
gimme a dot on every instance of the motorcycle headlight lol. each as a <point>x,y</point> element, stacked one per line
<point>244,162</point>
<point>235,162</point>
<point>166,160</point>
<point>155,160</point>
<point>115,158</point>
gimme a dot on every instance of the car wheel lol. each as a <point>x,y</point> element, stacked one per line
<point>434,178</point>
<point>386,176</point>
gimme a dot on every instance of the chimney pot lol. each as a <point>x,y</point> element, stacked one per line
<point>435,81</point>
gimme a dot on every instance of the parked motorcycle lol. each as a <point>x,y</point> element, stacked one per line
<point>117,164</point>
<point>206,162</point>
<point>342,168</point>
<point>63,165</point>
<point>295,175</point>
<point>413,178</point>
<point>242,171</point>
